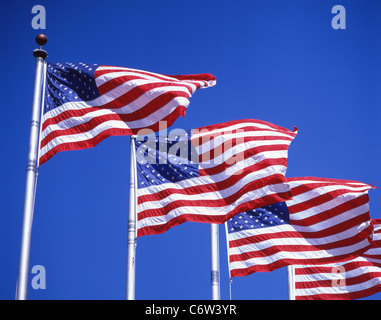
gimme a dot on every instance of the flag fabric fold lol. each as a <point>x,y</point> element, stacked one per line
<point>210,174</point>
<point>326,220</point>
<point>86,103</point>
<point>354,279</point>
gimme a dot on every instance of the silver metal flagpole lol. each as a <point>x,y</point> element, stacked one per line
<point>227,252</point>
<point>291,282</point>
<point>131,231</point>
<point>215,261</point>
<point>31,172</point>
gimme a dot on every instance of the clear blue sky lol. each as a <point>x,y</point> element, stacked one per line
<point>278,61</point>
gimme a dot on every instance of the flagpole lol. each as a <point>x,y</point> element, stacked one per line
<point>31,172</point>
<point>291,282</point>
<point>227,253</point>
<point>131,231</point>
<point>215,261</point>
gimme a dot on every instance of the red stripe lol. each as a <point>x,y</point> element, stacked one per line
<point>372,256</point>
<point>195,77</point>
<point>179,111</point>
<point>254,185</point>
<point>257,203</point>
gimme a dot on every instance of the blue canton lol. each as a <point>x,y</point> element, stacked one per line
<point>269,216</point>
<point>165,159</point>
<point>69,82</point>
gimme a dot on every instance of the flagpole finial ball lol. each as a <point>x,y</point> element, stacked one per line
<point>41,39</point>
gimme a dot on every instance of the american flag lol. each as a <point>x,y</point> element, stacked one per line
<point>86,103</point>
<point>326,220</point>
<point>210,174</point>
<point>358,278</point>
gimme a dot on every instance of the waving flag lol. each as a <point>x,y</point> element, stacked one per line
<point>358,278</point>
<point>86,103</point>
<point>210,174</point>
<point>325,221</point>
